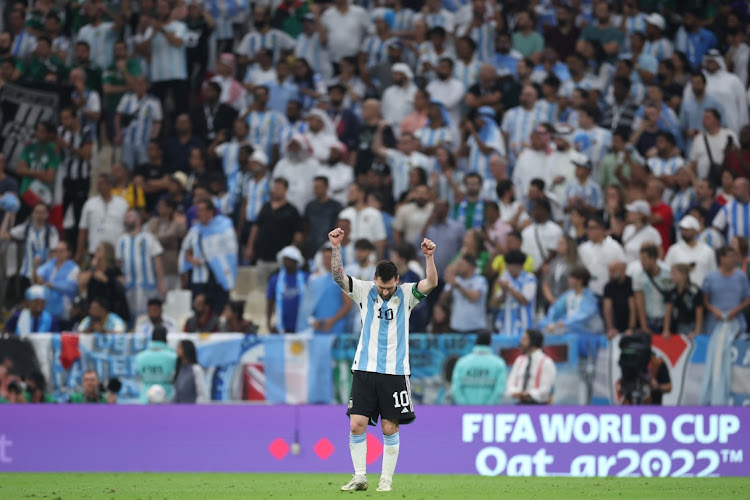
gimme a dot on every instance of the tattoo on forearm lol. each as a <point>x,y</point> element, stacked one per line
<point>337,266</point>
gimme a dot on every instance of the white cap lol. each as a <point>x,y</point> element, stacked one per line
<point>290,252</point>
<point>259,156</point>
<point>639,206</point>
<point>656,19</point>
<point>35,292</point>
<point>690,222</point>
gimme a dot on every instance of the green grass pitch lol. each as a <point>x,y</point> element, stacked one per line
<point>279,486</point>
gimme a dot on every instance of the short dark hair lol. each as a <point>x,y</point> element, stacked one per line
<point>582,274</point>
<point>698,74</point>
<point>321,178</point>
<point>536,338</point>
<point>552,81</point>
<point>722,252</point>
<point>544,204</point>
<point>516,234</point>
<point>591,110</point>
<point>469,259</point>
<point>650,250</point>
<point>364,244</point>
<point>472,175</point>
<point>598,221</point>
<point>282,180</point>
<point>503,187</point>
<point>668,136</point>
<point>470,41</point>
<point>622,80</point>
<point>538,183</point>
<point>209,204</point>
<point>102,301</point>
<point>714,112</point>
<point>623,133</point>
<point>84,43</point>
<point>159,334</point>
<point>515,257</point>
<point>386,270</point>
<point>154,302</point>
<point>484,338</point>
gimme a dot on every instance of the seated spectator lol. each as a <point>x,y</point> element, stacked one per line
<point>619,303</point>
<point>285,291</point>
<point>105,280</point>
<point>91,392</point>
<point>59,276</point>
<point>33,318</point>
<point>100,320</point>
<point>157,365</point>
<point>576,310</point>
<point>233,320</point>
<point>515,299</point>
<point>467,291</point>
<point>683,308</point>
<point>651,286</point>
<point>155,317</point>
<point>479,377</point>
<point>204,319</point>
<point>533,374</point>
<point>189,379</point>
<point>36,389</point>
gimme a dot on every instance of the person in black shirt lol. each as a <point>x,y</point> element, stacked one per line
<point>488,91</point>
<point>366,160</point>
<point>200,25</point>
<point>683,311</point>
<point>320,215</point>
<point>212,116</point>
<point>153,176</point>
<point>177,147</point>
<point>619,302</point>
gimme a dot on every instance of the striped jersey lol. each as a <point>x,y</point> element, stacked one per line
<point>468,74</point>
<point>143,112</point>
<point>274,40</point>
<point>74,167</point>
<point>681,203</point>
<point>431,137</point>
<point>37,244</point>
<point>513,318</point>
<point>376,49</point>
<point>265,129</point>
<point>256,194</point>
<point>598,144</point>
<point>136,253</point>
<point>664,166</point>
<point>660,49</point>
<point>590,193</point>
<point>315,53</point>
<point>384,341</point>
<point>734,219</point>
<point>167,61</point>
<point>401,165</point>
<point>443,18</point>
<point>484,36</point>
<point>549,111</point>
<point>480,162</point>
<point>223,11</point>
<point>518,124</point>
<point>101,40</point>
<point>403,20</point>
<point>588,82</point>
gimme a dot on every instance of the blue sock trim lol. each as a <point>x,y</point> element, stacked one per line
<point>391,440</point>
<point>357,438</point>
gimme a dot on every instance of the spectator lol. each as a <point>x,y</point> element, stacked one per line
<point>42,67</point>
<point>177,148</point>
<point>321,133</point>
<point>101,219</point>
<point>399,98</point>
<point>727,88</point>
<point>279,224</point>
<point>340,174</point>
<point>320,216</point>
<point>531,363</point>
<point>347,122</point>
<point>541,237</point>
<point>726,294</point>
<point>140,256</point>
<point>312,44</point>
<point>401,160</point>
<point>138,121</point>
<point>346,26</point>
<point>412,216</point>
<point>597,254</point>
<point>34,318</point>
<point>200,26</point>
<point>298,167</point>
<point>155,317</point>
<point>479,377</point>
<point>733,217</point>
<point>37,168</point>
<point>692,110</point>
<point>265,126</point>
<point>59,276</point>
<point>169,229</point>
<point>556,273</point>
<point>417,119</point>
<point>36,389</point>
<point>125,188</point>
<point>157,365</point>
<point>576,310</point>
<point>117,79</point>
<point>285,290</point>
<point>189,379</point>
<point>564,33</point>
<point>100,319</point>
<point>584,191</point>
<point>651,286</point>
<point>622,110</point>
<point>639,231</point>
<point>209,254</point>
<point>204,319</point>
<point>233,320</point>
<point>91,392</point>
<point>661,213</point>
<point>683,312</point>
<point>367,221</point>
<point>619,303</point>
<point>470,210</point>
<point>264,37</point>
<point>515,299</point>
<point>737,159</point>
<point>212,116</point>
<point>709,148</point>
<point>84,100</point>
<point>467,291</point>
<point>105,279</point>
<point>153,175</point>
<point>363,265</point>
<point>526,40</point>
<point>324,306</point>
<point>98,34</point>
<point>696,254</point>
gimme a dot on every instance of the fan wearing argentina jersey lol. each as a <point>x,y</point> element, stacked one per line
<point>734,217</point>
<point>380,383</point>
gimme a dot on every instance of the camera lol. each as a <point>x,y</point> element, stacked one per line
<point>635,355</point>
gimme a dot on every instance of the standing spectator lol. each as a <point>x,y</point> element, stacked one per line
<point>59,276</point>
<point>279,224</point>
<point>592,140</point>
<point>156,365</point>
<point>204,319</point>
<point>692,110</point>
<point>298,168</point>
<point>726,294</point>
<point>533,374</point>
<point>346,26</point>
<point>189,379</point>
<point>101,320</point>
<point>696,254</point>
<point>401,160</point>
<point>470,210</point>
<point>515,297</point>
<point>116,81</point>
<point>541,237</point>
<point>683,312</point>
<point>367,221</point>
<point>33,318</point>
<point>483,140</point>
<point>312,45</point>
<point>619,303</point>
<point>284,293</point>
<point>169,230</point>
<point>576,310</point>
<point>104,280</point>
<point>340,174</point>
<point>737,159</point>
<point>209,254</point>
<point>165,39</point>
<point>37,168</point>
<point>140,256</point>
<point>153,175</point>
<point>101,219</point>
<point>43,66</point>
<point>76,143</point>
<point>177,148</point>
<point>526,40</point>
<point>728,89</point>
<point>398,99</point>
<point>125,188</point>
<point>412,216</point>
<point>468,295</point>
<point>417,119</point>
<point>479,377</point>
<point>320,216</point>
<point>584,192</point>
<point>138,121</point>
<point>23,42</point>
<point>650,287</point>
<point>639,231</point>
<point>265,37</point>
<point>598,252</point>
<point>709,148</point>
<point>264,125</point>
<point>155,317</point>
<point>447,233</point>
<point>604,32</point>
<point>661,213</point>
<point>733,218</point>
<point>564,34</point>
<point>200,26</point>
<point>99,34</point>
<point>212,116</point>
<point>447,90</point>
<point>621,112</point>
<point>85,101</point>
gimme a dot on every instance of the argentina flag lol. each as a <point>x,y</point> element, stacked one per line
<point>298,369</point>
<point>215,244</point>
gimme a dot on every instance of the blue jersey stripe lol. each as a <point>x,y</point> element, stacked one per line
<point>383,340</point>
<point>401,339</point>
<point>366,327</point>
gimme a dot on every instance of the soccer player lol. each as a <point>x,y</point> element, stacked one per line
<point>380,385</point>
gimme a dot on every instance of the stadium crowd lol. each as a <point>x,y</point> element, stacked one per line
<point>582,166</point>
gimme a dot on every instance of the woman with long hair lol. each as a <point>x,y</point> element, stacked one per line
<point>233,320</point>
<point>682,70</point>
<point>189,379</point>
<point>556,278</point>
<point>104,279</point>
<point>683,305</point>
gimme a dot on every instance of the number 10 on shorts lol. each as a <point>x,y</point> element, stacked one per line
<point>400,399</point>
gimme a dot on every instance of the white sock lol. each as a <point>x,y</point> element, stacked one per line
<point>358,449</point>
<point>390,455</point>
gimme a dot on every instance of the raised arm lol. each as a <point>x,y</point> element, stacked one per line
<point>337,265</point>
<point>431,280</point>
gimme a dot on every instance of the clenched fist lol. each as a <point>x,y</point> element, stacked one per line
<point>428,247</point>
<point>336,236</point>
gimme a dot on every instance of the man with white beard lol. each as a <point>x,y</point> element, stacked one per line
<point>398,99</point>
<point>322,134</point>
<point>299,167</point>
<point>534,162</point>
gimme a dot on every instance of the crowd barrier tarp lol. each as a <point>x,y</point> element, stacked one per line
<point>301,368</point>
<point>519,441</point>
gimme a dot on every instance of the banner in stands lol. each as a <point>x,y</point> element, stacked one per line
<point>298,369</point>
<point>517,441</point>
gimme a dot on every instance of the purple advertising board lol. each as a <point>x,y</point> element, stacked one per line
<point>538,441</point>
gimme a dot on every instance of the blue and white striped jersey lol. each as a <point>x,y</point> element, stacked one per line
<point>376,49</point>
<point>734,219</point>
<point>587,83</point>
<point>484,36</point>
<point>518,124</point>
<point>256,194</point>
<point>273,39</point>
<point>590,193</point>
<point>384,341</point>
<point>401,165</point>
<point>681,203</point>
<point>468,74</point>
<point>664,166</point>
<point>514,318</point>
<point>167,61</point>
<point>223,12</point>
<point>265,129</point>
<point>144,112</point>
<point>661,49</point>
<point>444,18</point>
<point>549,111</point>
<point>311,50</point>
<point>37,244</point>
<point>137,253</point>
<point>101,40</point>
<point>403,20</point>
<point>431,137</point>
<point>480,162</point>
<point>598,144</point>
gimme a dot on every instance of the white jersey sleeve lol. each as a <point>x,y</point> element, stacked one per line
<point>360,289</point>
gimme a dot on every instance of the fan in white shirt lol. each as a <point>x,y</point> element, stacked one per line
<point>533,374</point>
<point>447,89</point>
<point>541,237</point>
<point>716,138</point>
<point>597,253</point>
<point>398,99</point>
<point>638,231</point>
<point>691,251</point>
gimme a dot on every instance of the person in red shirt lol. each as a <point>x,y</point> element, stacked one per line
<point>661,213</point>
<point>738,159</point>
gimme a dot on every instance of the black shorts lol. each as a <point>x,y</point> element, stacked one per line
<point>378,394</point>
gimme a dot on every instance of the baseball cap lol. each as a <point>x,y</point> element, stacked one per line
<point>259,156</point>
<point>690,222</point>
<point>656,19</point>
<point>290,252</point>
<point>180,178</point>
<point>581,160</point>
<point>638,206</point>
<point>35,292</point>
